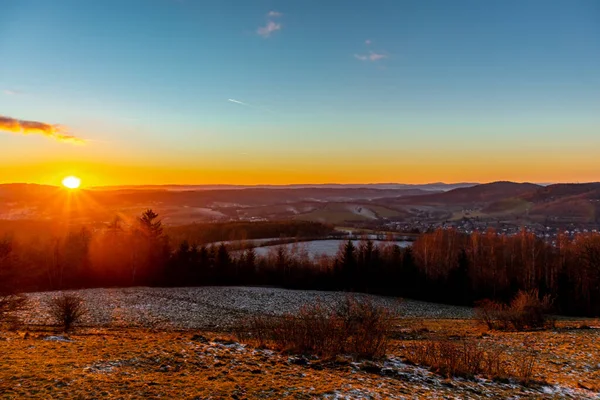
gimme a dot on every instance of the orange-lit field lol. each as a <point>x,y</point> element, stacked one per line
<point>138,363</point>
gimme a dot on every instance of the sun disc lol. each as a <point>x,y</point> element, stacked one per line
<point>71,182</point>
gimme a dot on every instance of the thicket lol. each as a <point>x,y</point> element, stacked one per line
<point>356,327</point>
<point>526,311</point>
<point>470,358</point>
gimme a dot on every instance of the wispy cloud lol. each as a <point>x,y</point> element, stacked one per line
<point>377,56</point>
<point>368,42</point>
<point>239,102</point>
<point>11,92</point>
<point>265,31</point>
<point>22,127</point>
<point>271,26</point>
<point>372,56</point>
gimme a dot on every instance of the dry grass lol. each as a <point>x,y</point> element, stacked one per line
<point>466,358</point>
<point>356,327</point>
<point>140,363</point>
<point>137,363</point>
<point>470,358</point>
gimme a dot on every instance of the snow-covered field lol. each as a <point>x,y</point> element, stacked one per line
<point>213,307</point>
<point>316,248</point>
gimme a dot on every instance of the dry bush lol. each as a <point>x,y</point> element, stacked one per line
<point>525,311</point>
<point>493,314</point>
<point>366,326</point>
<point>67,309</point>
<point>526,363</point>
<point>528,311</point>
<point>468,358</point>
<point>463,358</point>
<point>356,327</point>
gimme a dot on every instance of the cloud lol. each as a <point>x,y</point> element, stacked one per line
<point>368,42</point>
<point>239,102</point>
<point>10,92</point>
<point>372,56</point>
<point>18,126</point>
<point>274,14</point>
<point>377,56</point>
<point>265,31</point>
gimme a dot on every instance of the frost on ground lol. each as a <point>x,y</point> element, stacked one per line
<point>115,354</point>
<point>211,307</point>
<point>57,339</point>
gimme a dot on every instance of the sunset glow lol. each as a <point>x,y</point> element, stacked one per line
<point>269,167</point>
<point>71,182</point>
<point>262,99</point>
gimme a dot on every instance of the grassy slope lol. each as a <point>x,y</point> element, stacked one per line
<point>126,363</point>
<point>338,213</point>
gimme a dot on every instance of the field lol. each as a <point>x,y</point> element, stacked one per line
<point>177,343</point>
<point>338,213</point>
<point>215,308</point>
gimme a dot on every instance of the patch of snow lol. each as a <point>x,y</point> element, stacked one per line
<point>363,212</point>
<point>58,339</point>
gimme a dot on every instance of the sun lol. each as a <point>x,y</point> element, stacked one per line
<point>71,182</point>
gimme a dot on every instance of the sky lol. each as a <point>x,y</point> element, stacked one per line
<point>299,91</point>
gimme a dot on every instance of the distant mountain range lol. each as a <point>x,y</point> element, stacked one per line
<point>507,200</point>
<point>480,193</point>
<point>428,186</point>
<point>332,203</point>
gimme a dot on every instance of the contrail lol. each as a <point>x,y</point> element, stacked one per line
<point>22,127</point>
<point>249,105</point>
<point>239,102</point>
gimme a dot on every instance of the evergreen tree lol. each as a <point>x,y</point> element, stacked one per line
<point>223,264</point>
<point>348,265</point>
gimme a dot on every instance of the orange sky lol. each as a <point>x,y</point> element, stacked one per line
<point>316,168</point>
<point>394,91</point>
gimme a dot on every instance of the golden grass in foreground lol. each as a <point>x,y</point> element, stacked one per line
<point>137,363</point>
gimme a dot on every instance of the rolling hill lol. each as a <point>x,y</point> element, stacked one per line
<point>484,193</point>
<point>504,201</point>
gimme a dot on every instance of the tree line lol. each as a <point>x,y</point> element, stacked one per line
<point>442,266</point>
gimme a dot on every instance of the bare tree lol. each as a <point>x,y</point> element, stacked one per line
<point>67,309</point>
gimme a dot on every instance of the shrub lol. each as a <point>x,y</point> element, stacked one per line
<point>493,314</point>
<point>468,358</point>
<point>356,327</point>
<point>526,366</point>
<point>366,326</point>
<point>67,309</point>
<point>525,311</point>
<point>463,358</point>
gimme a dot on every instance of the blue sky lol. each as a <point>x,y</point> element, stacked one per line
<point>149,81</point>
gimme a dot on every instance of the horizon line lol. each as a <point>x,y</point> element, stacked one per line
<point>230,185</point>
